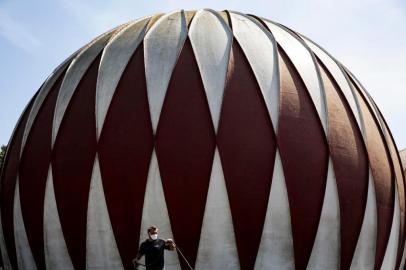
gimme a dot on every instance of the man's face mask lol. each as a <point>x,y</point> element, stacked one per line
<point>154,236</point>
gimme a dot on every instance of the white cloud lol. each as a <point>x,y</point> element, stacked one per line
<point>98,17</point>
<point>17,33</point>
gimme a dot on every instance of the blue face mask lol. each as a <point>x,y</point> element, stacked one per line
<point>154,236</point>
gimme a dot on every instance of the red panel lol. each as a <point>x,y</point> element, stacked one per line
<point>247,147</point>
<point>304,154</point>
<point>125,149</point>
<point>383,178</point>
<point>72,163</point>
<point>350,162</point>
<point>33,172</point>
<point>185,143</point>
<point>8,182</point>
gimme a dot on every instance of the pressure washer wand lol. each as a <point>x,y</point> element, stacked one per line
<point>180,252</point>
<point>135,265</point>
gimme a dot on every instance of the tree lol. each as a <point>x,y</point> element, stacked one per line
<point>2,154</point>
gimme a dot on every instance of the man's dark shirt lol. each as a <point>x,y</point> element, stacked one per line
<point>154,253</point>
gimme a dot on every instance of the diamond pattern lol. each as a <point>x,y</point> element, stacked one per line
<point>383,178</point>
<point>34,166</point>
<point>125,149</point>
<point>304,157</point>
<point>350,163</point>
<point>72,163</point>
<point>185,143</point>
<point>247,146</point>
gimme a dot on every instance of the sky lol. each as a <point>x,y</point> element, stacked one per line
<point>367,36</point>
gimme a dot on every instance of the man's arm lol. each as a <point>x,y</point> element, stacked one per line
<point>140,253</point>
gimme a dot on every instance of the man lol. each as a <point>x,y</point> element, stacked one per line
<point>153,249</point>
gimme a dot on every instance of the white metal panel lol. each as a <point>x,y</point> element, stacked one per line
<point>378,115</point>
<point>74,74</point>
<point>367,97</point>
<point>101,246</point>
<point>276,247</point>
<point>326,248</point>
<point>56,251</point>
<point>212,53</point>
<point>364,255</point>
<point>25,259</point>
<point>339,77</point>
<point>389,260</point>
<point>162,45</point>
<point>259,47</point>
<point>155,212</point>
<point>403,158</point>
<point>113,62</point>
<point>402,263</point>
<point>303,61</point>
<point>217,246</point>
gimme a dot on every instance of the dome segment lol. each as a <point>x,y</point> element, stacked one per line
<point>403,158</point>
<point>241,139</point>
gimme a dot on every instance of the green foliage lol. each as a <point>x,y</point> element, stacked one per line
<point>2,154</point>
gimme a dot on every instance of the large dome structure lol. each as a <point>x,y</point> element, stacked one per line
<point>242,140</point>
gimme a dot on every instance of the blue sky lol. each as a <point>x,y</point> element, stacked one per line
<point>368,36</point>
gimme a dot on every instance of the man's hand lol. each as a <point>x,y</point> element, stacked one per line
<point>169,242</point>
<point>135,263</point>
